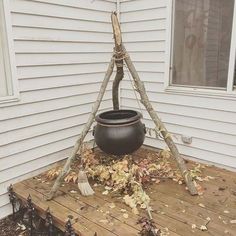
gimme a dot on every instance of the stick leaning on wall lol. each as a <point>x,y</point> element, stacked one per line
<point>159,125</point>
<point>87,126</point>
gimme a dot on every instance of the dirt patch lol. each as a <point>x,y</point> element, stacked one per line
<point>9,227</point>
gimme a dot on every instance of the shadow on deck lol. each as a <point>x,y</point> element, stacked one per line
<point>174,210</point>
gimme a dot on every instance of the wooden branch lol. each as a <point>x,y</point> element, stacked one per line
<point>159,125</point>
<point>78,144</point>
<point>119,61</point>
<point>116,29</point>
<point>115,86</point>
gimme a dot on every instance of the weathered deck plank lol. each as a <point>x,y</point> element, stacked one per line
<point>98,203</point>
<point>60,213</point>
<point>88,207</point>
<point>173,207</point>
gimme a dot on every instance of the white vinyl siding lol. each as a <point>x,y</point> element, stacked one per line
<point>62,50</point>
<point>209,119</point>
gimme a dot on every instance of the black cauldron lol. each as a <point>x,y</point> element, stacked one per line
<point>119,132</point>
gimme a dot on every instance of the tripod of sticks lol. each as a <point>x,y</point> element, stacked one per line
<point>120,56</point>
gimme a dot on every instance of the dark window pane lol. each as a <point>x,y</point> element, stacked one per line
<point>201,46</point>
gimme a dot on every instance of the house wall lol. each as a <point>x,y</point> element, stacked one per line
<point>209,119</point>
<point>62,50</point>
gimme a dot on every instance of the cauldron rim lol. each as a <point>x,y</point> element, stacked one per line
<point>129,117</point>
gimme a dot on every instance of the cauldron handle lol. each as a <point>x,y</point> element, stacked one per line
<point>93,132</point>
<point>144,128</point>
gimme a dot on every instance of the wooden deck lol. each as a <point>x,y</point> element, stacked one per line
<point>175,211</point>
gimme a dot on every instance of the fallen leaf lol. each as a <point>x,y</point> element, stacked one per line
<point>203,228</point>
<point>125,215</point>
<point>122,210</point>
<point>73,191</point>
<point>104,221</point>
<point>108,188</point>
<point>143,206</point>
<point>233,221</point>
<point>226,212</point>
<point>199,188</point>
<point>112,205</point>
<point>22,227</point>
<point>199,178</point>
<point>201,205</point>
<point>135,210</point>
<point>210,177</point>
<point>105,192</point>
<point>194,226</point>
<point>129,201</point>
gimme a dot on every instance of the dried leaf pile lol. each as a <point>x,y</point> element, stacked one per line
<point>128,174</point>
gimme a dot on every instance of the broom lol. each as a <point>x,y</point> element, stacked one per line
<point>83,184</point>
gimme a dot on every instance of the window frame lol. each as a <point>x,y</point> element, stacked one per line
<point>10,53</point>
<point>229,91</point>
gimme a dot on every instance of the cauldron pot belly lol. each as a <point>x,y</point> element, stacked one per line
<point>119,132</point>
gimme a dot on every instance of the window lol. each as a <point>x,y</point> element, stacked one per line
<point>201,43</point>
<point>8,90</point>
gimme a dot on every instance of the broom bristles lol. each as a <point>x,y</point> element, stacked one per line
<point>83,184</point>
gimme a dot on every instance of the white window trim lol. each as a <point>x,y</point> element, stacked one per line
<point>228,93</point>
<point>11,53</point>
